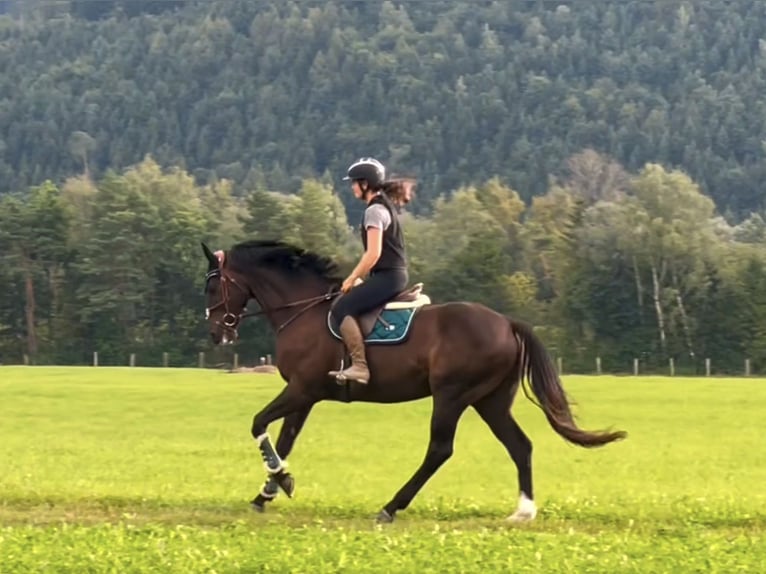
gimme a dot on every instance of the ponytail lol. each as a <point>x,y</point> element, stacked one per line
<point>399,190</point>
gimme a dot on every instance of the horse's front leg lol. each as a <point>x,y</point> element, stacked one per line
<point>285,441</point>
<point>285,404</point>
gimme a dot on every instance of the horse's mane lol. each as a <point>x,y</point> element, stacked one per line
<point>283,256</point>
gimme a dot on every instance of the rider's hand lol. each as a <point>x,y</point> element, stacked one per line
<point>348,284</point>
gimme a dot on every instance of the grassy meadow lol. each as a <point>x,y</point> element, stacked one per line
<point>150,470</point>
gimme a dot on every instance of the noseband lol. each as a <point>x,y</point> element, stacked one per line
<point>230,321</point>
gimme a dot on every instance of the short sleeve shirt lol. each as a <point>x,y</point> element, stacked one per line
<point>378,216</point>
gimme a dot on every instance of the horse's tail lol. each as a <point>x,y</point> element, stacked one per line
<point>538,369</point>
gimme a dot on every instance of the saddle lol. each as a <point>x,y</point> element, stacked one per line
<point>411,298</point>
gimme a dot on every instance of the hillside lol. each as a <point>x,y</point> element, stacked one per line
<point>453,91</point>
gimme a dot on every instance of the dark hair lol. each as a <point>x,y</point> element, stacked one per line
<point>398,190</point>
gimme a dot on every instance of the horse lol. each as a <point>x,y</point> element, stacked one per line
<point>462,354</point>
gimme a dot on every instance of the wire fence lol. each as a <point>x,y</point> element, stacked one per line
<point>231,359</point>
<point>669,367</point>
<point>216,359</point>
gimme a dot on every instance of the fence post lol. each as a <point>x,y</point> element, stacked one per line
<point>707,367</point>
<point>268,359</point>
<point>164,359</point>
<point>598,365</point>
<point>132,359</point>
<point>560,365</point>
<point>95,358</point>
<point>236,361</point>
<point>202,360</point>
<point>26,359</point>
<point>635,367</point>
<point>672,367</point>
<point>747,367</point>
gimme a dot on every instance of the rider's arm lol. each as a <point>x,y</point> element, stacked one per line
<point>371,254</point>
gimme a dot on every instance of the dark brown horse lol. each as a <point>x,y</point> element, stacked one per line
<point>461,354</point>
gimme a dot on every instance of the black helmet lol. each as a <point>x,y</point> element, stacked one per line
<point>367,168</point>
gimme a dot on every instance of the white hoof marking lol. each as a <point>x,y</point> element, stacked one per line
<point>526,510</point>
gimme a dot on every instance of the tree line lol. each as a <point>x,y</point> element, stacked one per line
<point>607,262</point>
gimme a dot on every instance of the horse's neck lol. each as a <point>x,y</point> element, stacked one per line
<point>284,301</point>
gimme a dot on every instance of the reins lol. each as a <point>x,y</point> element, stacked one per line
<point>230,320</point>
<point>310,303</point>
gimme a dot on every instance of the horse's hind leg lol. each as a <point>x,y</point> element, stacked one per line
<point>444,419</point>
<point>292,425</point>
<point>495,410</point>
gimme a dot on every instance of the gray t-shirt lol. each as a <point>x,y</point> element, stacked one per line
<point>378,216</point>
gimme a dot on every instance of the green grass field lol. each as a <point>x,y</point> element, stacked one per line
<point>151,470</point>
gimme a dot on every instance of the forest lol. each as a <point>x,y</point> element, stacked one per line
<point>594,168</point>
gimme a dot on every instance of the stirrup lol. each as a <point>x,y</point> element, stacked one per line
<point>341,377</point>
<point>338,375</point>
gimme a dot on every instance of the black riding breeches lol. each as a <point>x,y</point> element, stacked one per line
<point>379,288</point>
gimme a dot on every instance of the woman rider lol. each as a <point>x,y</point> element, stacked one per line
<point>384,259</point>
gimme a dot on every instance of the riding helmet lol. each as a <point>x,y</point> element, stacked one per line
<point>367,168</point>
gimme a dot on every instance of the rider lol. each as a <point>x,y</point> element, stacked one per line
<point>384,258</point>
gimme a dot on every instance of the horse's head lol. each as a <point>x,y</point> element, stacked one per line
<point>226,297</point>
<point>284,280</point>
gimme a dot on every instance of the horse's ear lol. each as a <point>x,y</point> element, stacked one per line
<point>212,259</point>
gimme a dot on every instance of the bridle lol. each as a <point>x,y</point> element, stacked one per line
<point>229,321</point>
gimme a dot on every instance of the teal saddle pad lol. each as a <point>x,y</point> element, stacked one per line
<point>392,326</point>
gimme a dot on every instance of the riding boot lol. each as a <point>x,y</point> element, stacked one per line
<point>354,340</point>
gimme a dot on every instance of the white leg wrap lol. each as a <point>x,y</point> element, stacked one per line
<point>267,495</point>
<point>270,455</point>
<point>274,470</point>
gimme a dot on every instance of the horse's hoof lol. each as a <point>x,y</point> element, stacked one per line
<point>521,516</point>
<point>258,507</point>
<point>286,482</point>
<point>384,517</point>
